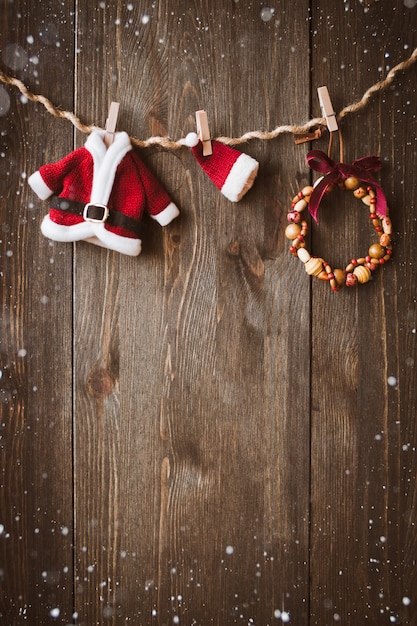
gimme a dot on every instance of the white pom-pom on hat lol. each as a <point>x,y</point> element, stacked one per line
<point>191,140</point>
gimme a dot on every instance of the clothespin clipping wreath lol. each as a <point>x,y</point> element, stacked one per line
<point>356,177</point>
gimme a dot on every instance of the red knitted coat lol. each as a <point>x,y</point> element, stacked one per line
<point>112,177</point>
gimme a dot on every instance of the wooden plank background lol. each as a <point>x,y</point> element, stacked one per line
<point>202,434</point>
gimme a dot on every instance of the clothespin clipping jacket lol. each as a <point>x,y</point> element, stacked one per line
<point>203,132</point>
<point>111,123</point>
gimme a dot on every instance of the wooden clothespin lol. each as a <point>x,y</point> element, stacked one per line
<point>327,109</point>
<point>111,123</point>
<point>203,132</point>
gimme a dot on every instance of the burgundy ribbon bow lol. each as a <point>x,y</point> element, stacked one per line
<point>334,172</point>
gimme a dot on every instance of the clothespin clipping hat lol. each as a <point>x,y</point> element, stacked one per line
<point>232,172</point>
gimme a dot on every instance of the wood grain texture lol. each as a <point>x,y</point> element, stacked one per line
<point>202,434</point>
<point>359,420</point>
<point>36,506</point>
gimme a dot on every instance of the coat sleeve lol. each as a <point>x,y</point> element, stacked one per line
<point>49,178</point>
<point>158,203</point>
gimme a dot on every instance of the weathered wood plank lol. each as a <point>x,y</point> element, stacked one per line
<point>361,544</point>
<point>36,508</point>
<point>194,431</point>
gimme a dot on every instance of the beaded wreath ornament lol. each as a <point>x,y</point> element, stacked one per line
<point>355,177</point>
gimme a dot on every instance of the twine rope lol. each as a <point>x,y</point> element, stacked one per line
<point>170,144</point>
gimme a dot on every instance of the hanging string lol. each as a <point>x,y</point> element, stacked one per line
<point>169,144</point>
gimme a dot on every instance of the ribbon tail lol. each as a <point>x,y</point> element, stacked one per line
<point>381,202</point>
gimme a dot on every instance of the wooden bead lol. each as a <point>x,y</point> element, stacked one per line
<point>340,277</point>
<point>292,231</point>
<point>313,266</point>
<point>363,274</point>
<point>352,183</point>
<point>294,217</point>
<point>303,255</point>
<point>366,200</point>
<point>300,205</point>
<point>376,251</point>
<point>360,192</point>
<point>387,225</point>
<point>384,240</point>
<point>307,191</point>
<point>351,280</point>
<point>323,275</point>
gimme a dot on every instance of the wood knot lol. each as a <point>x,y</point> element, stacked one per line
<point>100,382</point>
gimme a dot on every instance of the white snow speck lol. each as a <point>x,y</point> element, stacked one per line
<point>406,601</point>
<point>55,612</point>
<point>229,549</point>
<point>284,616</point>
<point>267,14</point>
<point>1,529</point>
<point>410,4</point>
<point>22,352</point>
<point>145,19</point>
<point>392,381</point>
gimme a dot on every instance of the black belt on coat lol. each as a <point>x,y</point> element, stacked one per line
<point>97,213</point>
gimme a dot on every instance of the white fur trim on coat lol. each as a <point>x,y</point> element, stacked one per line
<point>39,186</point>
<point>92,232</point>
<point>167,215</point>
<point>106,161</point>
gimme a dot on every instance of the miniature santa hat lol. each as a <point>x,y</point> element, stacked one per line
<point>232,172</point>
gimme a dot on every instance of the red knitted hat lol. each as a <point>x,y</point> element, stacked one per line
<point>232,172</point>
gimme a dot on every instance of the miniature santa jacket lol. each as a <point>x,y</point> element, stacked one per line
<point>101,195</point>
